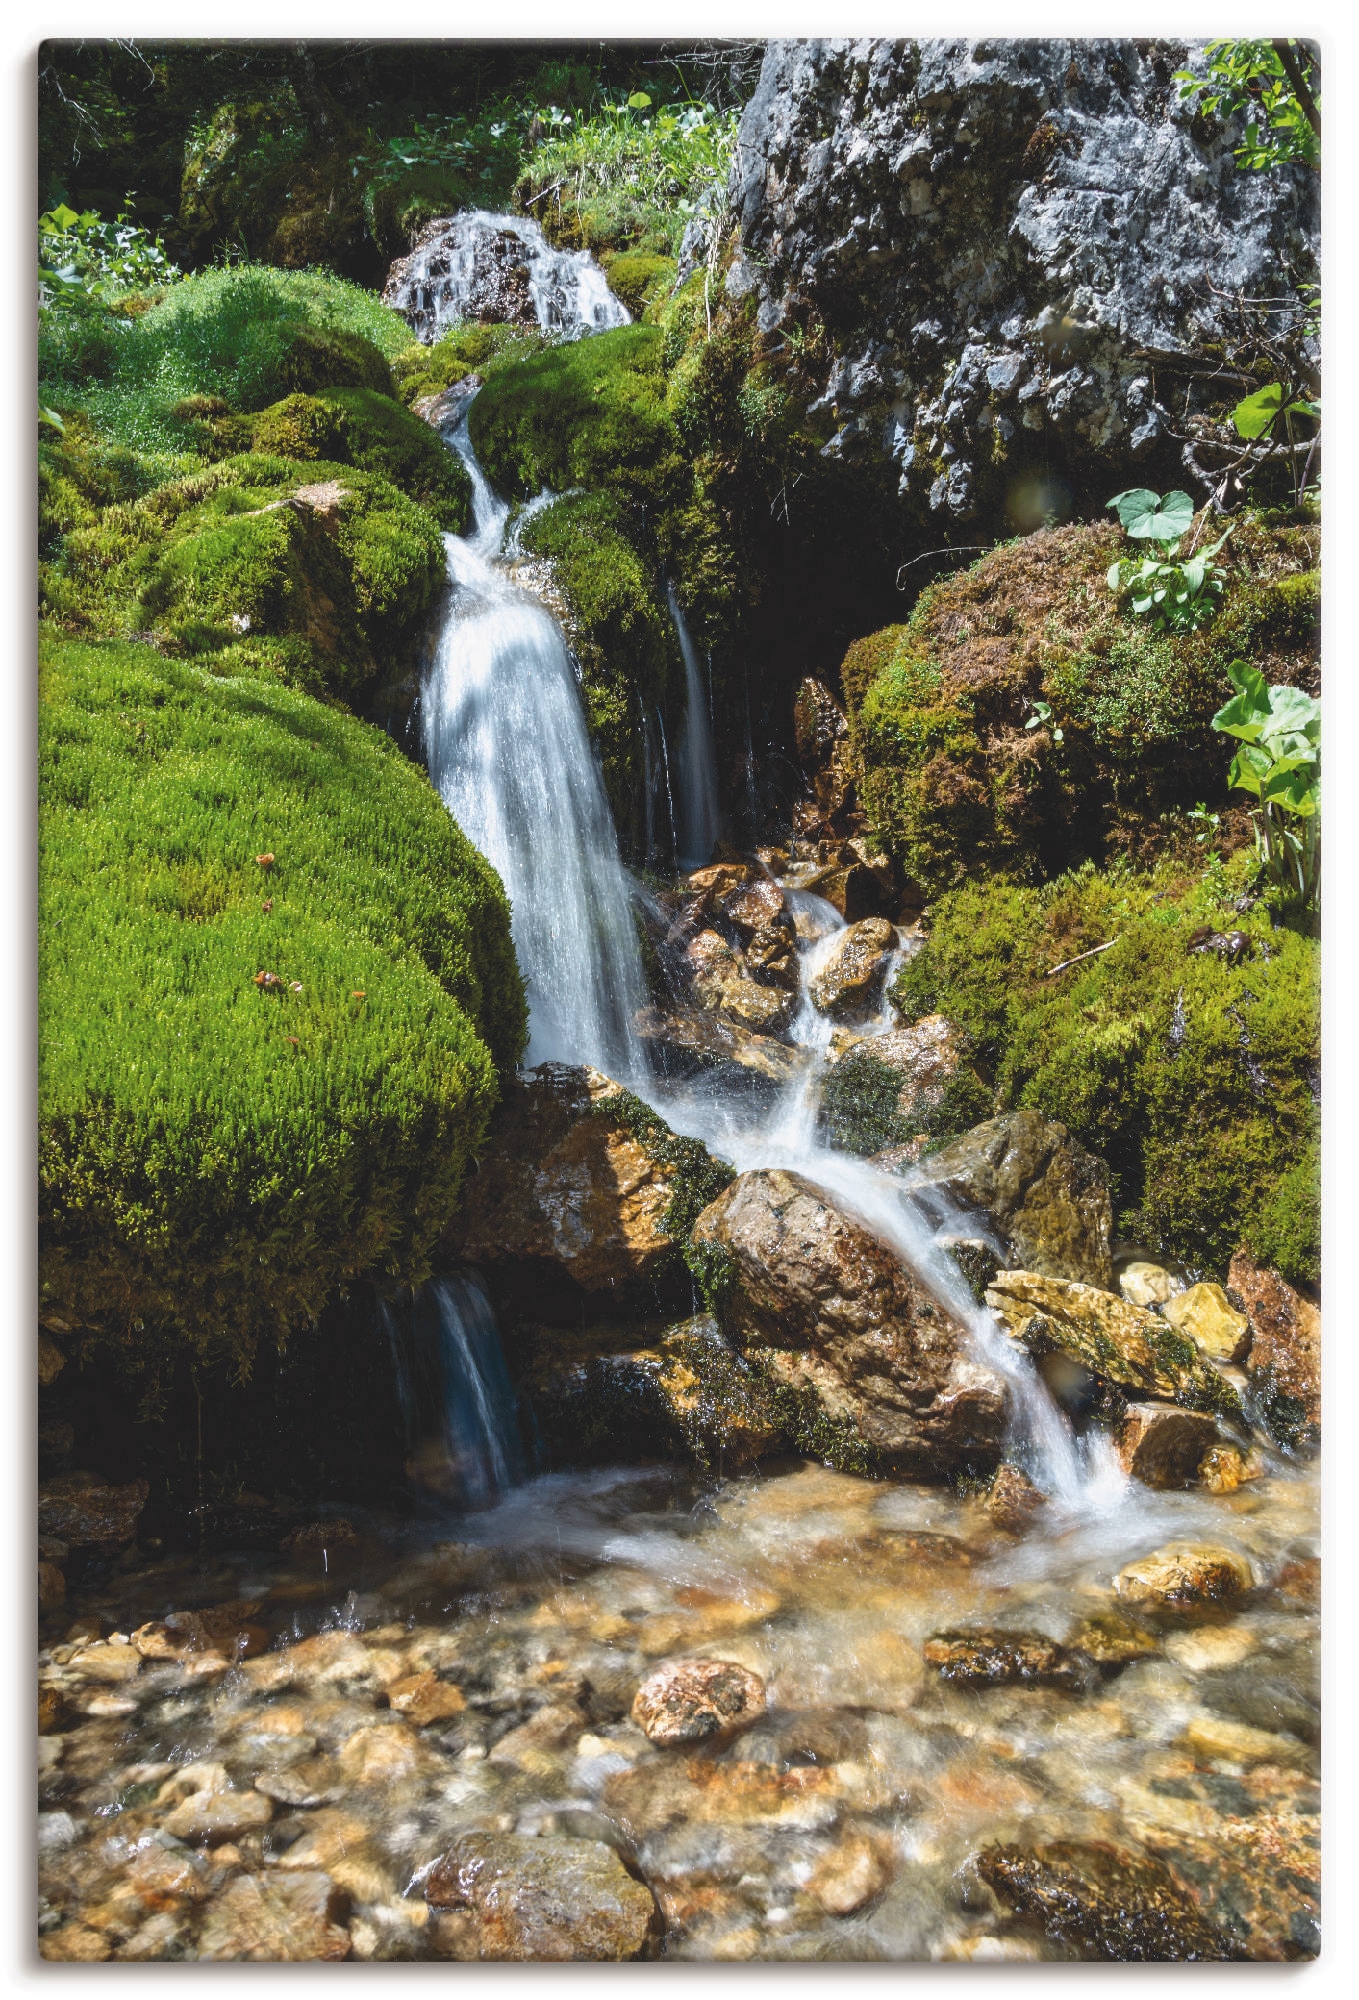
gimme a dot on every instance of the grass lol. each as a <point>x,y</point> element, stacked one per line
<point>630,177</point>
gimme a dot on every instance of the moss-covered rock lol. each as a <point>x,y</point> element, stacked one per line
<point>638,277</point>
<point>482,350</point>
<point>277,992</point>
<point>360,427</point>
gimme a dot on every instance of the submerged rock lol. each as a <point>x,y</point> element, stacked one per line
<point>1007,1659</point>
<point>1185,1576</point>
<point>544,1898</point>
<point>1164,1446</point>
<point>1106,1902</point>
<point>850,981</point>
<point>297,1914</point>
<point>884,1374</point>
<point>1284,1365</point>
<point>1115,1341</point>
<point>1215,1327</point>
<point>693,1701</point>
<point>85,1511</point>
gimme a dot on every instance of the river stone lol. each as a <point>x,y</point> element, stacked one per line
<point>924,1056</point>
<point>1013,1500</point>
<point>1115,1341</point>
<point>547,1898</point>
<point>771,955</point>
<point>297,1915</point>
<point>1007,1659</point>
<point>1185,1576</point>
<point>692,1701</point>
<point>213,1816</point>
<point>1104,1901</point>
<point>833,1314</point>
<point>1284,1364</point>
<point>1162,1445</point>
<point>1047,1197</point>
<point>850,981</point>
<point>1143,1283</point>
<point>51,1586</point>
<point>1263,1883</point>
<point>1216,1329</point>
<point>754,906</point>
<point>575,1183</point>
<point>713,1044</point>
<point>85,1511</point>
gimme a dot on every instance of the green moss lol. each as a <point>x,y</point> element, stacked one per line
<point>464,350</point>
<point>218,1155</point>
<point>697,1178</point>
<point>833,1441</point>
<point>860,1108</point>
<point>1193,1077</point>
<point>638,278</point>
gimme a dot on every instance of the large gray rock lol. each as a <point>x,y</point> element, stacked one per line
<point>1010,245</point>
<point>834,1315</point>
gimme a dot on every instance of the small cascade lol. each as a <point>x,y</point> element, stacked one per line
<point>461,1426</point>
<point>502,267</point>
<point>698,812</point>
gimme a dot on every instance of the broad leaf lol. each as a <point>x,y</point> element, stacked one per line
<point>1149,518</point>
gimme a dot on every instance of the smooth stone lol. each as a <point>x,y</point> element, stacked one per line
<point>276,1915</point>
<point>1163,1446</point>
<point>1107,1902</point>
<point>1006,1659</point>
<point>214,1816</point>
<point>1211,1647</point>
<point>541,1899</point>
<point>1184,1575</point>
<point>1216,1329</point>
<point>690,1701</point>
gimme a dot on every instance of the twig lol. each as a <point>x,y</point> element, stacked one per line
<point>1093,952</point>
<point>1293,71</point>
<point>960,549</point>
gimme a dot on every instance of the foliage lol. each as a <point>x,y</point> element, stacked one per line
<point>1279,763</point>
<point>633,172</point>
<point>1273,86</point>
<point>1179,595</point>
<point>425,371</point>
<point>1146,517</point>
<point>84,255</point>
<point>219,1153</point>
<point>1185,1055</point>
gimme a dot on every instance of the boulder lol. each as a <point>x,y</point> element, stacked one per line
<point>1012,1500</point>
<point>545,1898</point>
<point>721,985</point>
<point>754,906</point>
<point>1047,1198</point>
<point>1103,1902</point>
<point>1185,1576</point>
<point>82,1509</point>
<point>1164,1446</point>
<point>1204,1316</point>
<point>294,1915</point>
<point>1007,1659</point>
<point>703,1041</point>
<point>851,979</point>
<point>580,1182</point>
<point>924,1056</point>
<point>697,1701</point>
<point>832,1314</point>
<point>1116,1342</point>
<point>771,955</point>
<point>1284,1365</point>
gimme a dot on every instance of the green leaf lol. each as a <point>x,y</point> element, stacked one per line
<point>1256,414</point>
<point>1147,517</point>
<point>639,101</point>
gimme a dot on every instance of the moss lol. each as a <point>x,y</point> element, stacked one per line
<point>714,1270</point>
<point>464,350</point>
<point>860,1106</point>
<point>638,278</point>
<point>833,1441</point>
<point>697,1178</point>
<point>1192,1076</point>
<point>219,1153</point>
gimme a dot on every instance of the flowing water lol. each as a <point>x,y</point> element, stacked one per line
<point>443,282</point>
<point>698,814</point>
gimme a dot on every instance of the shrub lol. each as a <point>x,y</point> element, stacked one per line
<point>218,1154</point>
<point>633,172</point>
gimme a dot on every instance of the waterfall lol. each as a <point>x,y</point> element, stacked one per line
<point>698,816</point>
<point>482,266</point>
<point>508,750</point>
<point>455,1393</point>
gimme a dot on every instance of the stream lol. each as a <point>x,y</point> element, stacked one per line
<point>473,1670</point>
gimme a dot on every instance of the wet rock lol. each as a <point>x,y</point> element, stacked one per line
<point>875,1364</point>
<point>1115,1341</point>
<point>551,1727</point>
<point>754,907</point>
<point>850,981</point>
<point>543,1899</point>
<point>1105,1902</point>
<point>85,1511</point>
<point>1143,1283</point>
<point>304,1786</point>
<point>715,1044</point>
<point>51,1586</point>
<point>856,1870</point>
<point>925,1056</point>
<point>819,723</point>
<point>721,878</point>
<point>1046,1196</point>
<point>424,1698</point>
<point>212,1816</point>
<point>109,1660</point>
<point>693,1701</point>
<point>1258,1877</point>
<point>290,1916</point>
<point>1204,1316</point>
<point>977,1262</point>
<point>1013,1501</point>
<point>1111,1639</point>
<point>1211,1647</point>
<point>1284,1365</point>
<point>1164,1446</point>
<point>577,1182</point>
<point>224,1629</point>
<point>1220,1740</point>
<point>75,1944</point>
<point>1185,1576</point>
<point>495,288</point>
<point>771,955</point>
<point>1007,1659</point>
<point>720,985</point>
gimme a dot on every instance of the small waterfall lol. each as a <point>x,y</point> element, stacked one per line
<point>698,815</point>
<point>480,266</point>
<point>461,1427</point>
<point>508,750</point>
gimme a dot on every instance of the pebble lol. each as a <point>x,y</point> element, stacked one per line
<point>1211,1646</point>
<point>691,1700</point>
<point>1185,1575</point>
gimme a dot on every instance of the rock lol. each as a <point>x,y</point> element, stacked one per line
<point>1013,1500</point>
<point>576,1182</point>
<point>1223,1741</point>
<point>1115,1341</point>
<point>715,1044</point>
<point>720,985</point>
<point>977,1263</point>
<point>304,1786</point>
<point>110,1660</point>
<point>1104,1901</point>
<point>75,1944</point>
<point>1111,1639</point>
<point>425,1698</point>
<point>1163,1446</point>
<point>1284,1364</point>
<point>1007,1659</point>
<point>224,1629</point>
<point>819,723</point>
<point>464,267</point>
<point>1143,1283</point>
<point>856,1870</point>
<point>212,1816</point>
<point>692,1701</point>
<point>290,1916</point>
<point>51,1360</point>
<point>1185,1576</point>
<point>551,1727</point>
<point>82,1510</point>
<point>51,1586</point>
<point>924,1056</point>
<point>1203,1315</point>
<point>1209,1648</point>
<point>1224,1467</point>
<point>850,981</point>
<point>833,1315</point>
<point>754,907</point>
<point>1257,1876</point>
<point>1045,1195</point>
<point>771,955</point>
<point>541,1899</point>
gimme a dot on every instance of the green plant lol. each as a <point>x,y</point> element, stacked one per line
<point>1279,764</point>
<point>1042,719</point>
<point>1179,595</point>
<point>82,255</point>
<point>1257,417</point>
<point>1274,86</point>
<point>634,171</point>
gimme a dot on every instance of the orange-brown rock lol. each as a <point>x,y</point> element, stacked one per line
<point>1285,1355</point>
<point>850,981</point>
<point>543,1899</point>
<point>1162,1445</point>
<point>691,1701</point>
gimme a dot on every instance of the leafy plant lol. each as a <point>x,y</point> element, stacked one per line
<point>1258,416</point>
<point>1279,763</point>
<point>1178,595</point>
<point>83,256</point>
<point>634,170</point>
<point>1274,85</point>
<point>1042,718</point>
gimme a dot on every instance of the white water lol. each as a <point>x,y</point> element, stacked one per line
<point>456,1394</point>
<point>441,281</point>
<point>698,811</point>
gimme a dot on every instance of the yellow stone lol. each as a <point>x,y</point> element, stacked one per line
<point>1203,1315</point>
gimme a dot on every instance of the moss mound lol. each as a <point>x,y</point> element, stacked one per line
<point>1186,1055</point>
<point>361,427</point>
<point>953,780</point>
<point>220,1151</point>
<point>465,350</point>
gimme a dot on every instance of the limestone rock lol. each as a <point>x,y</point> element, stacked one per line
<point>1118,1342</point>
<point>1143,1283</point>
<point>290,1916</point>
<point>1047,1197</point>
<point>692,1701</point>
<point>1162,1445</point>
<point>1216,1329</point>
<point>548,1898</point>
<point>88,1513</point>
<point>1106,1902</point>
<point>1285,1356</point>
<point>1013,1500</point>
<point>833,1314</point>
<point>1006,1659</point>
<point>1185,1576</point>
<point>850,981</point>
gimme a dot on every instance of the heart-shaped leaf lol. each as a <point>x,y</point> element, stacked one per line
<point>1147,517</point>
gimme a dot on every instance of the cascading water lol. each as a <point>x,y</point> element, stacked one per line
<point>698,810</point>
<point>480,266</point>
<point>455,1392</point>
